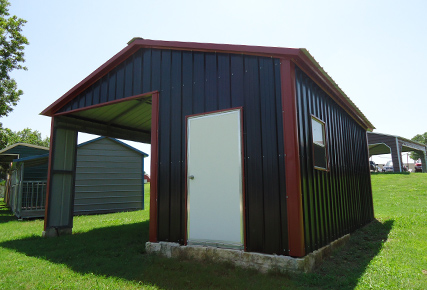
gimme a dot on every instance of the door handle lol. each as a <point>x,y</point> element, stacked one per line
<point>191,177</point>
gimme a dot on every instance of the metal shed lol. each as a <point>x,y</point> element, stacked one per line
<point>33,173</point>
<point>253,148</point>
<point>380,143</point>
<point>109,178</point>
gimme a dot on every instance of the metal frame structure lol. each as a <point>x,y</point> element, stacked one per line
<point>285,209</point>
<point>380,143</point>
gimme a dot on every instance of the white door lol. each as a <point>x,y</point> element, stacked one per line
<point>214,180</point>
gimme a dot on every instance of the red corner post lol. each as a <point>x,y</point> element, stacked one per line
<point>292,161</point>
<point>154,167</point>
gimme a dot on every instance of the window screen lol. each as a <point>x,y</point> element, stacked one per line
<point>319,144</point>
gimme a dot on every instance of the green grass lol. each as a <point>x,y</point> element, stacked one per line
<point>107,252</point>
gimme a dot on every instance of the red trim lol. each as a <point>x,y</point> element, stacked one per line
<point>49,170</point>
<point>305,64</point>
<point>213,112</point>
<point>221,48</point>
<point>154,167</point>
<point>141,96</point>
<point>292,161</point>
<point>243,169</point>
<point>297,55</point>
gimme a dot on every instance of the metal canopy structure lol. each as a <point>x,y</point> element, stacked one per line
<point>389,144</point>
<point>128,118</point>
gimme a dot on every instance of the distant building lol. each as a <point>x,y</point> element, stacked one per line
<point>108,174</point>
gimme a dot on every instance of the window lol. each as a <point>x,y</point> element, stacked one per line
<point>319,144</point>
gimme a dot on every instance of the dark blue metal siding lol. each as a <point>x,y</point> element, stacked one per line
<point>196,82</point>
<point>35,173</point>
<point>25,151</point>
<point>338,201</point>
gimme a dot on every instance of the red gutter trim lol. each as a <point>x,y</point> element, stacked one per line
<point>154,167</point>
<point>49,171</point>
<point>145,95</point>
<point>310,68</point>
<point>292,162</point>
<point>222,48</point>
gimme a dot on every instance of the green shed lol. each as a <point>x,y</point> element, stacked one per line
<point>109,178</point>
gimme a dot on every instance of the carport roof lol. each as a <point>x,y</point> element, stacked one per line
<point>300,56</point>
<point>407,145</point>
<point>128,118</point>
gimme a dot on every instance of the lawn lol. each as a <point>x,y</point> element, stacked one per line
<point>107,252</point>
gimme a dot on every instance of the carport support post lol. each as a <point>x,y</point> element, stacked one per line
<point>396,157</point>
<point>292,162</point>
<point>61,180</point>
<point>424,161</point>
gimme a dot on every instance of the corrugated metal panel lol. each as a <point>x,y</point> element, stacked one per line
<point>337,201</point>
<point>35,172</point>
<point>198,82</point>
<point>108,178</point>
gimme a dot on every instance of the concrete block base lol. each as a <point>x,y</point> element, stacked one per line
<point>56,232</point>
<point>257,261</point>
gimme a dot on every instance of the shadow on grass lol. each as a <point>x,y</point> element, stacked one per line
<point>110,251</point>
<point>347,265</point>
<point>119,251</point>
<point>6,214</point>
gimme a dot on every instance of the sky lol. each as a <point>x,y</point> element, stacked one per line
<point>374,50</point>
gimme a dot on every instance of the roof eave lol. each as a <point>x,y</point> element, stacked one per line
<point>137,43</point>
<point>23,144</point>
<point>295,54</point>
<point>338,91</point>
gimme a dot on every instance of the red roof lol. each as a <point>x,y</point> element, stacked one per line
<point>300,56</point>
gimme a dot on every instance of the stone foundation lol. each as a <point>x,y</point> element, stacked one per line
<point>257,261</point>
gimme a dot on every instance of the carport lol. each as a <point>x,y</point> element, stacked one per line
<point>395,145</point>
<point>127,118</point>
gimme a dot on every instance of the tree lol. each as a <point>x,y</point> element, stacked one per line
<point>420,139</point>
<point>11,57</point>
<point>9,137</point>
